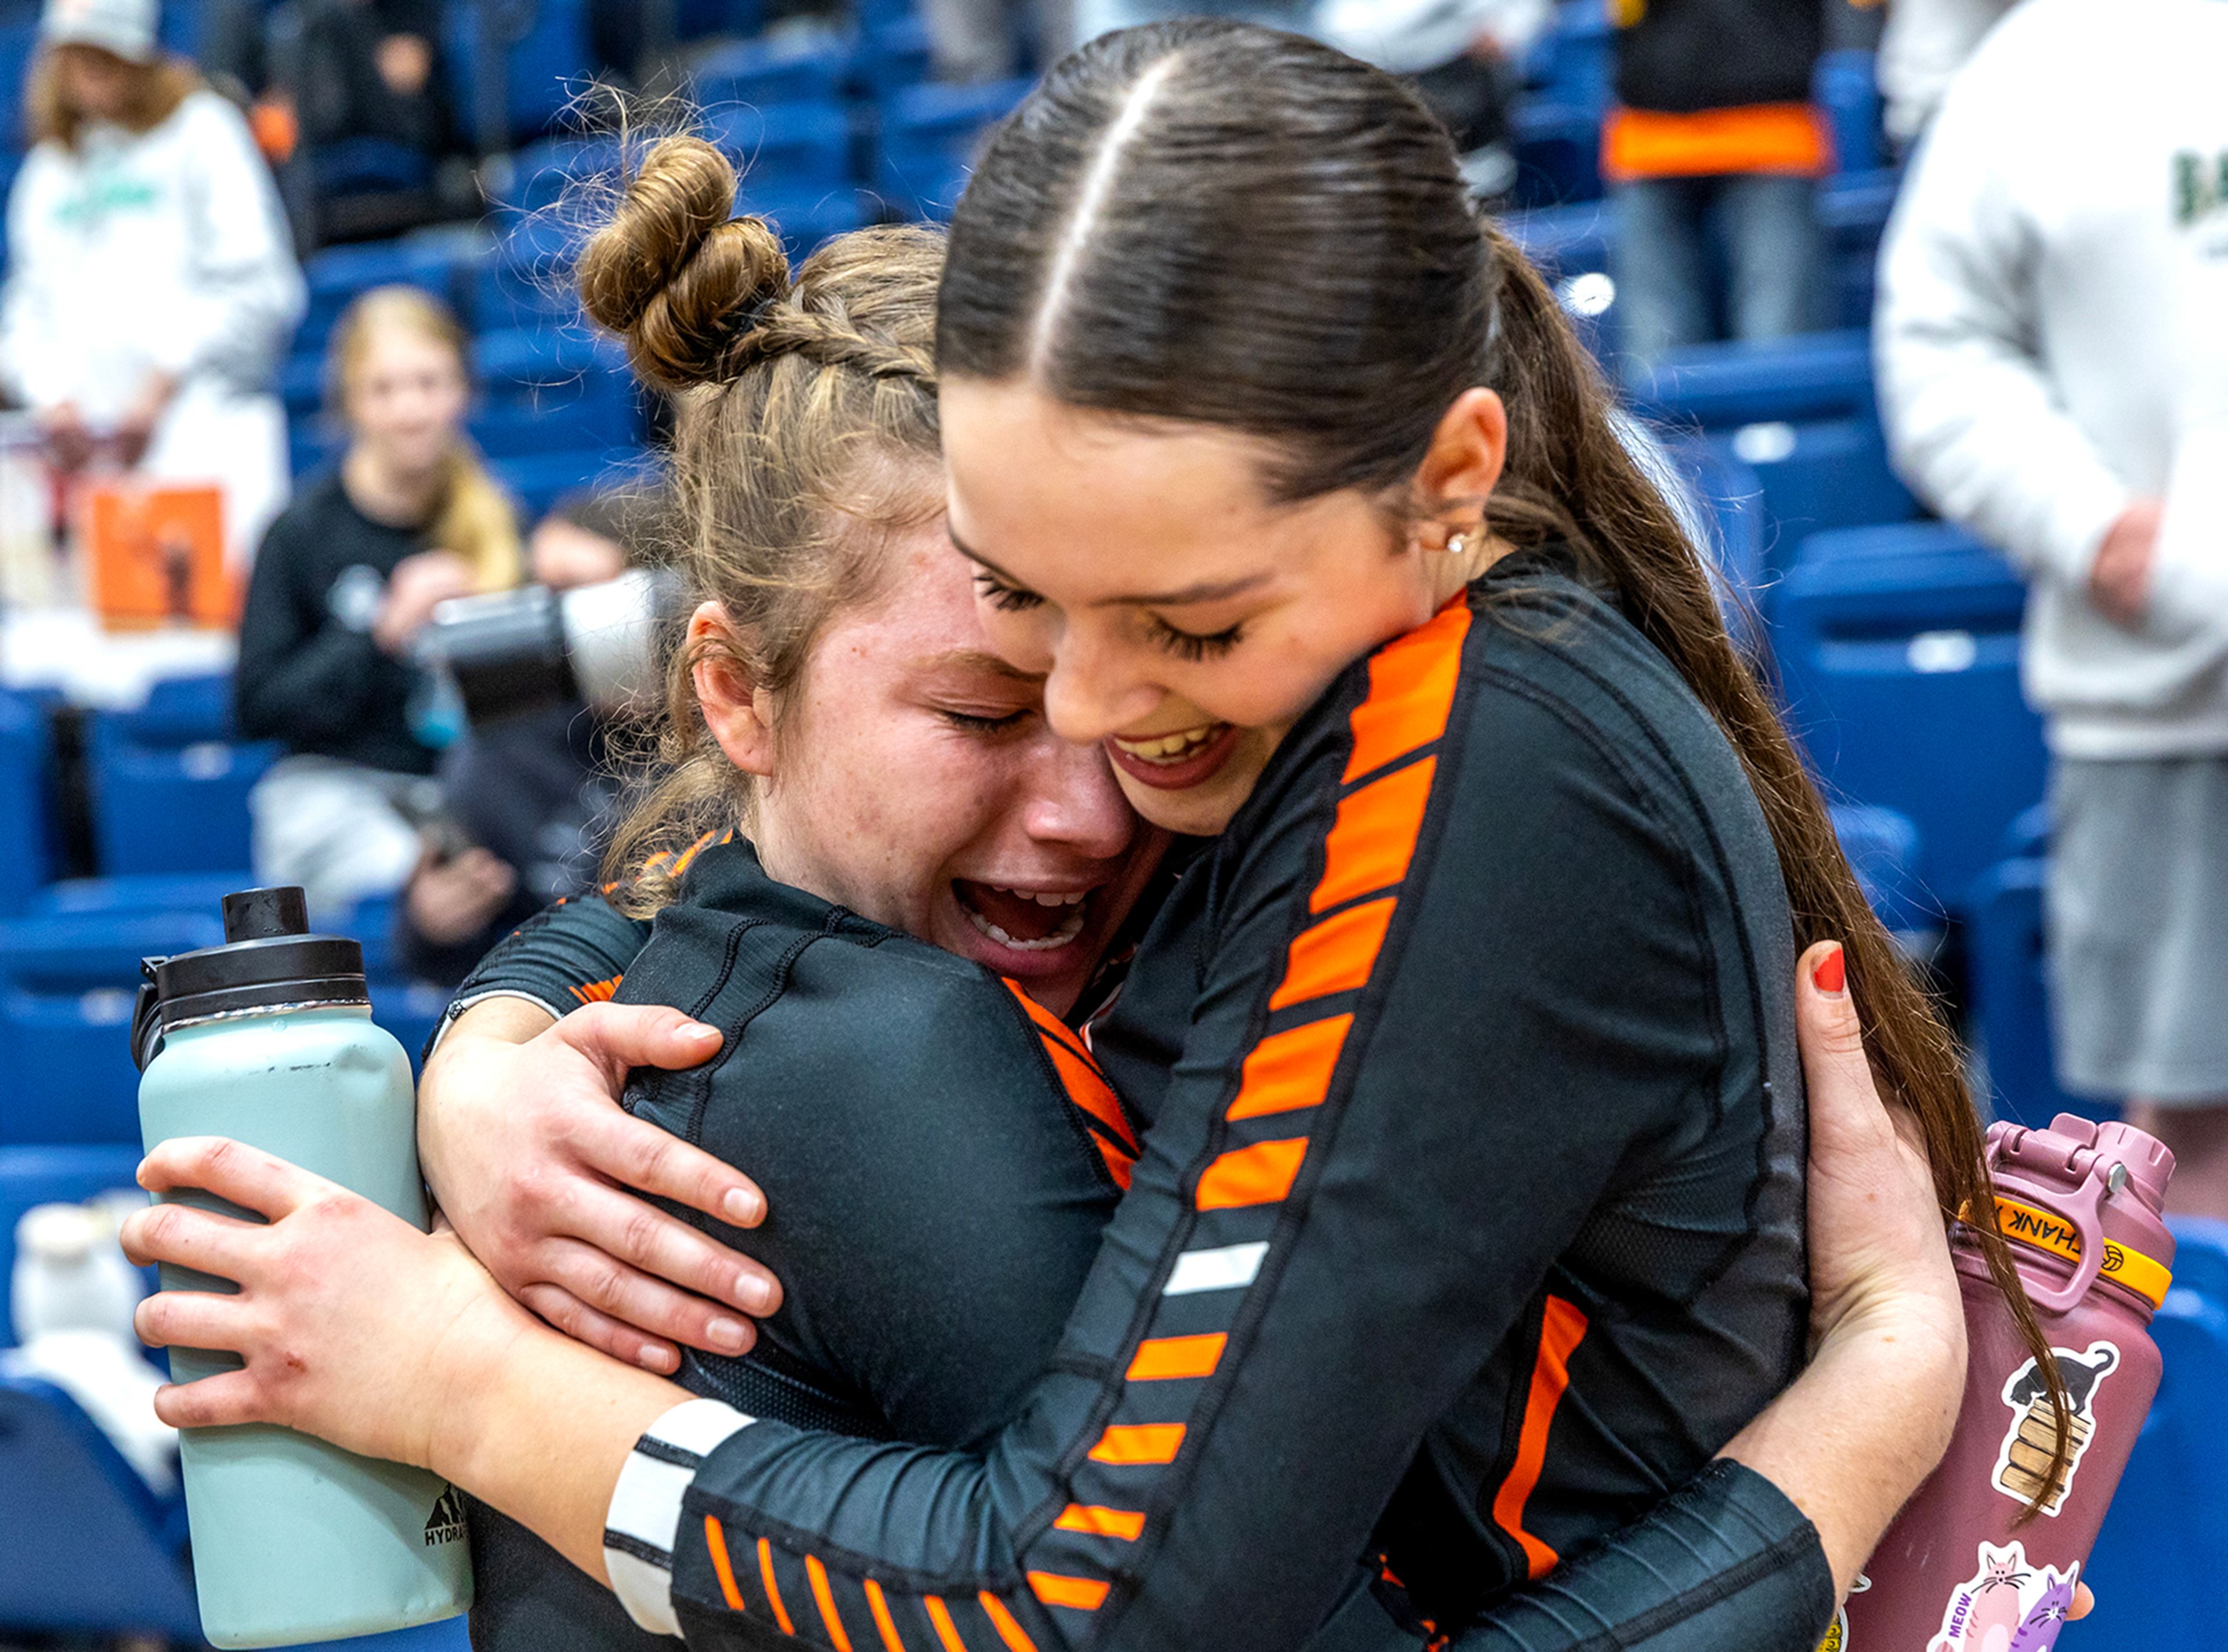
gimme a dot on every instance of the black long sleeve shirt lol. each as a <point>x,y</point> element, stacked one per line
<point>309,673</point>
<point>1467,1228</point>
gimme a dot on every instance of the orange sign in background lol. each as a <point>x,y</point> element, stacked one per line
<point>155,557</point>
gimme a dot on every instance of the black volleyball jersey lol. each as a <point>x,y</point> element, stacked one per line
<point>1467,1228</point>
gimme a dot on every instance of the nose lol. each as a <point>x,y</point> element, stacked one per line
<point>1091,691</point>
<point>1076,803</point>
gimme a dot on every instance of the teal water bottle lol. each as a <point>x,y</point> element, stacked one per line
<point>268,1039</point>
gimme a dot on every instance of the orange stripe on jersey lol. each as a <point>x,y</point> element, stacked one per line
<point>716,1540</point>
<point>939,1618</point>
<point>885,1625</point>
<point>1085,1594</point>
<point>1412,691</point>
<point>1261,1174</point>
<point>1562,1328</point>
<point>1002,1620</point>
<point>1128,1524</point>
<point>1128,1444</point>
<point>1164,1359</point>
<point>821,1593</point>
<point>1374,838</point>
<point>773,1589</point>
<point>1333,956</point>
<point>1288,1070</point>
<point>598,992</point>
<point>1078,1074</point>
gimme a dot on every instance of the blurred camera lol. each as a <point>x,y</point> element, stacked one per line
<point>519,650</point>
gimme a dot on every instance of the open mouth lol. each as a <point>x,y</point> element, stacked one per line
<point>1025,920</point>
<point>1171,762</point>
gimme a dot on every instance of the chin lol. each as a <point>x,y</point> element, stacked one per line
<point>1201,810</point>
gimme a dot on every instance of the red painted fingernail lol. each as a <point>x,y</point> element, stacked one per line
<point>1830,973</point>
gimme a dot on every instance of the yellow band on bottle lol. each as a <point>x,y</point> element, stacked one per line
<point>2146,1276</point>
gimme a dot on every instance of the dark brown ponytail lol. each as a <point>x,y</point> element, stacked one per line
<point>1212,222</point>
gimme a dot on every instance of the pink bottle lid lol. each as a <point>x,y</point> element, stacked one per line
<point>2091,1196</point>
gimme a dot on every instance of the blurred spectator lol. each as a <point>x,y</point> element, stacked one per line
<point>346,578</point>
<point>528,796</point>
<point>1924,43</point>
<point>380,141</point>
<point>972,41</point>
<point>1462,57</point>
<point>2053,371</point>
<point>1713,126</point>
<point>151,287</point>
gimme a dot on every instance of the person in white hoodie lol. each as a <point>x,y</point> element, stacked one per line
<point>151,285</point>
<point>1923,45</point>
<point>2053,344</point>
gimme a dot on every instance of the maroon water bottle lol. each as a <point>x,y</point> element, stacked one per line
<point>1958,1571</point>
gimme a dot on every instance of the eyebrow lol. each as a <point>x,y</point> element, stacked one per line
<point>975,660</point>
<point>1211,590</point>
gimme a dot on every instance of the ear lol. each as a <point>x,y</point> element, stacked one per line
<point>1462,465</point>
<point>738,711</point>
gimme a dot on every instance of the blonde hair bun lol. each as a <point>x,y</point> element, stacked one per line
<point>675,274</point>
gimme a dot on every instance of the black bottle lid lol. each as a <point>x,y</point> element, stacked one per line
<point>269,961</point>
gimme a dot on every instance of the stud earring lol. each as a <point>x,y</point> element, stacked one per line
<point>1456,543</point>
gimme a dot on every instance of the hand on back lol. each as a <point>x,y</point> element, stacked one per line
<point>543,1175</point>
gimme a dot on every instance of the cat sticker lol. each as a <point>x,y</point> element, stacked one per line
<point>2024,1461</point>
<point>2006,1606</point>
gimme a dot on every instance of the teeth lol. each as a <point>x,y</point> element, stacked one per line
<point>1071,926</point>
<point>1042,898</point>
<point>1166,747</point>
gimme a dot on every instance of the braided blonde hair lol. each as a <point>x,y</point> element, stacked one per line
<point>806,437</point>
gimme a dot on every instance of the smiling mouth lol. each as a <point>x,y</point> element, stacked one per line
<point>1169,749</point>
<point>1025,920</point>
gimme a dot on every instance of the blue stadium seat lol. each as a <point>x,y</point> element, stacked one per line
<point>1852,211</point>
<point>1882,847</point>
<point>786,148</point>
<point>409,1009</point>
<point>1728,492</point>
<point>2008,989</point>
<point>65,992</point>
<point>302,384</point>
<point>1563,241</point>
<point>1899,651</point>
<point>929,134</point>
<point>544,63</point>
<point>577,379</point>
<point>1721,387</point>
<point>338,275</point>
<point>2158,1563</point>
<point>806,218</point>
<point>1571,61</point>
<point>24,842</point>
<point>803,66</point>
<point>169,792</point>
<point>99,1557</point>
<point>538,481</point>
<point>542,173</point>
<point>891,57</point>
<point>1843,85</point>
<point>527,280</point>
<point>142,892</point>
<point>602,423</point>
<point>1831,474</point>
<point>1557,152</point>
<point>31,1176</point>
<point>362,166</point>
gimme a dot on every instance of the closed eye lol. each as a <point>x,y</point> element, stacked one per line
<point>1190,645</point>
<point>976,722</point>
<point>1007,599</point>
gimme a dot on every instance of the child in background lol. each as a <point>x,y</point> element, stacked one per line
<point>151,283</point>
<point>347,577</point>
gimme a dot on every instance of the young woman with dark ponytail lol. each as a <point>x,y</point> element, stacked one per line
<point>1468,1224</point>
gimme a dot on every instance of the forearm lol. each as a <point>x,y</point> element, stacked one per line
<point>1848,1462</point>
<point>540,1428</point>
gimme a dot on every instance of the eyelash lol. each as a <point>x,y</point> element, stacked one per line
<point>970,724</point>
<point>1007,599</point>
<point>1185,645</point>
<point>1189,645</point>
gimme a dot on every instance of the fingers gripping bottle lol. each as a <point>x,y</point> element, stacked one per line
<point>1957,1572</point>
<point>268,1039</point>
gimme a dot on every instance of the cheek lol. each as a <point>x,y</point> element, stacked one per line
<point>1022,637</point>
